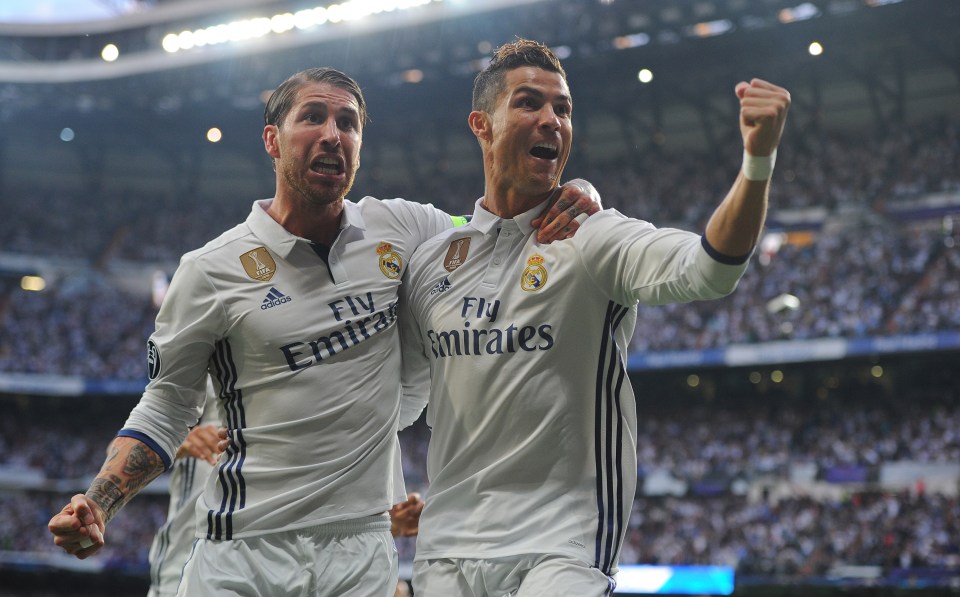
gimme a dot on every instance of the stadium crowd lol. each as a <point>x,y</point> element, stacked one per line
<point>871,277</point>
<point>785,535</point>
<point>871,281</point>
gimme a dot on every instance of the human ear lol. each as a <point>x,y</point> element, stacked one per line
<point>480,125</point>
<point>270,140</point>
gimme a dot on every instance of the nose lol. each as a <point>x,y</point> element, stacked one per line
<point>330,133</point>
<point>549,118</point>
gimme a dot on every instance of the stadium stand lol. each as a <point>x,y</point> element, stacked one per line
<point>804,444</point>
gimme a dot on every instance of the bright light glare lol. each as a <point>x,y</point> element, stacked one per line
<point>307,18</point>
<point>815,48</point>
<point>876,371</point>
<point>214,135</point>
<point>110,53</point>
<point>33,283</point>
<point>171,42</point>
<point>693,380</point>
<point>185,40</point>
<point>67,135</point>
<point>645,75</point>
<point>801,12</point>
<point>282,22</point>
<point>414,75</point>
<point>634,40</point>
<point>776,376</point>
<point>712,28</point>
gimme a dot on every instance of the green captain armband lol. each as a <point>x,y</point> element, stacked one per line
<point>459,221</point>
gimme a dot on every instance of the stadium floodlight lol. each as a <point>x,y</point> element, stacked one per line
<point>33,283</point>
<point>800,12</point>
<point>110,53</point>
<point>256,27</point>
<point>282,22</point>
<point>710,28</point>
<point>633,40</point>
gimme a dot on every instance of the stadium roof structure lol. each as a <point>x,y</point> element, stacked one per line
<point>646,76</point>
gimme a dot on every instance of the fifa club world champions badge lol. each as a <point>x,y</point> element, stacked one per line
<point>259,264</point>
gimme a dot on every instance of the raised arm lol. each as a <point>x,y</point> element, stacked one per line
<point>735,226</point>
<point>130,465</point>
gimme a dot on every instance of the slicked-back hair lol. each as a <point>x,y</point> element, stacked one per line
<point>281,100</point>
<point>491,81</point>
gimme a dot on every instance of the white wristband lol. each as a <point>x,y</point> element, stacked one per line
<point>758,168</point>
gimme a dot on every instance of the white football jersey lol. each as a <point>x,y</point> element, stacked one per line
<point>174,539</point>
<point>304,356</point>
<point>533,448</point>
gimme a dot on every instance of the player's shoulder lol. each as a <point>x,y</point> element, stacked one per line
<point>395,206</point>
<point>238,238</point>
<point>427,261</point>
<point>441,240</point>
<point>609,216</point>
<point>609,225</point>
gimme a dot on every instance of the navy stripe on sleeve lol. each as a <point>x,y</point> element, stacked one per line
<point>720,257</point>
<point>140,436</point>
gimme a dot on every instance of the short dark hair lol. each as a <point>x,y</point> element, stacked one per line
<point>281,100</point>
<point>490,83</point>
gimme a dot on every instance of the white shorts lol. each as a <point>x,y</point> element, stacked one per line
<point>351,558</point>
<point>516,576</point>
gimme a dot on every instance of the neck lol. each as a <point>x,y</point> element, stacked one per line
<point>506,201</point>
<point>317,223</point>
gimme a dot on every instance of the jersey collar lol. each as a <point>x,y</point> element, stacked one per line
<point>487,222</point>
<point>279,240</point>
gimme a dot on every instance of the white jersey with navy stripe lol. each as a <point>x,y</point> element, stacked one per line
<point>302,347</point>
<point>533,448</point>
<point>174,540</point>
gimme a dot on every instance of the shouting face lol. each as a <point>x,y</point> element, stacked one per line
<point>530,131</point>
<point>316,148</point>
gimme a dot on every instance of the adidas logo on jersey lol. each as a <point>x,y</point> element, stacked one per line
<point>274,298</point>
<point>441,287</point>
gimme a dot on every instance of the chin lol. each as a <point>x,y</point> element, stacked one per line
<point>542,184</point>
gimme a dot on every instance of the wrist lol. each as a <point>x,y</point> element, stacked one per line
<point>758,167</point>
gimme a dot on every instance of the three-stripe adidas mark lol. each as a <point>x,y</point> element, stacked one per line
<point>274,298</point>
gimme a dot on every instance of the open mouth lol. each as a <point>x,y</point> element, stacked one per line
<point>545,151</point>
<point>328,165</point>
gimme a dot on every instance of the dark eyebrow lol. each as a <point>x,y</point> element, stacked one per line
<point>539,94</point>
<point>345,109</point>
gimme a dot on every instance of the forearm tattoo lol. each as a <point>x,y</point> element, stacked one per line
<point>106,493</point>
<point>111,491</point>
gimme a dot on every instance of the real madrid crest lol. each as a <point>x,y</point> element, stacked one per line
<point>259,264</point>
<point>390,262</point>
<point>534,276</point>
